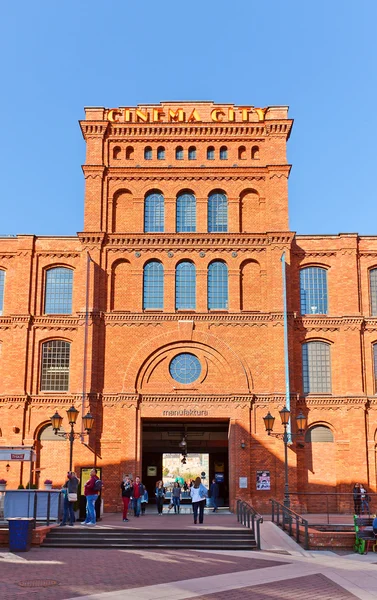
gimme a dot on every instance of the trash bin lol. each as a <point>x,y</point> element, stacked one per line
<point>20,534</point>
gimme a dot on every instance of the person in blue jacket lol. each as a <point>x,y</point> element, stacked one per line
<point>144,502</point>
<point>214,494</point>
<point>198,493</point>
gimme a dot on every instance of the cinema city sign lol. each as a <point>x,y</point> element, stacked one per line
<point>179,115</point>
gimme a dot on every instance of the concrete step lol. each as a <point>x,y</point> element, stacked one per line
<point>145,545</point>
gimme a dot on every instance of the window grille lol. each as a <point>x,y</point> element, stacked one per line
<point>153,285</point>
<point>192,153</point>
<point>223,153</point>
<point>217,213</point>
<point>179,153</point>
<point>319,433</point>
<point>185,368</point>
<point>160,153</point>
<point>148,153</point>
<point>210,153</point>
<point>185,286</point>
<point>154,213</point>
<point>313,291</point>
<point>186,213</point>
<point>316,368</point>
<point>217,285</point>
<point>58,294</point>
<point>373,291</point>
<point>55,366</point>
<point>2,286</point>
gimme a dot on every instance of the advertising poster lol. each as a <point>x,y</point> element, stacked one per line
<point>263,480</point>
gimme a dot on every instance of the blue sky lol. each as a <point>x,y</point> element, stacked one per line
<point>318,57</point>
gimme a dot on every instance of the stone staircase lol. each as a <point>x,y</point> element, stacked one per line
<point>204,539</point>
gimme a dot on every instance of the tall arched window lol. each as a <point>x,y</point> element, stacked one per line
<point>192,153</point>
<point>2,286</point>
<point>217,285</point>
<point>185,286</point>
<point>186,213</point>
<point>153,285</point>
<point>154,213</point>
<point>210,153</point>
<point>217,212</point>
<point>160,153</point>
<point>116,152</point>
<point>316,368</point>
<point>223,153</point>
<point>373,292</point>
<point>179,153</point>
<point>242,152</point>
<point>55,366</point>
<point>313,291</point>
<point>375,367</point>
<point>148,153</point>
<point>129,153</point>
<point>58,292</point>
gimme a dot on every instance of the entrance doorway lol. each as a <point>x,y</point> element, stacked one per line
<point>186,447</point>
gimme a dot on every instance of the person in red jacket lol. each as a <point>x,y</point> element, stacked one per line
<point>91,496</point>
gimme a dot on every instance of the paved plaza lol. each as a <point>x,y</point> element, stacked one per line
<point>281,570</point>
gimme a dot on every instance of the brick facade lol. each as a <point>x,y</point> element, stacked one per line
<point>242,348</point>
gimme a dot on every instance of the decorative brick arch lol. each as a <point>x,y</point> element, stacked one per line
<point>153,351</point>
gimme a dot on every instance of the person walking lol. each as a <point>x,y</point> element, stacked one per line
<point>357,498</point>
<point>198,493</point>
<point>176,496</point>
<point>126,487</point>
<point>91,495</point>
<point>160,496</point>
<point>214,494</point>
<point>144,501</point>
<point>137,494</point>
<point>70,497</point>
<point>364,500</point>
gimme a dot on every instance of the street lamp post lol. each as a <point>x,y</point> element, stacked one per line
<point>301,426</point>
<point>72,413</point>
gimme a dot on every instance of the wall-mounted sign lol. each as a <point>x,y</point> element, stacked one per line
<point>263,480</point>
<point>185,412</point>
<point>219,467</point>
<point>219,477</point>
<point>158,114</point>
<point>242,483</point>
<point>151,471</point>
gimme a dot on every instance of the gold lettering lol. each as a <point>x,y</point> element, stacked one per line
<point>127,115</point>
<point>158,113</point>
<point>141,115</point>
<point>178,115</point>
<point>194,116</point>
<point>245,110</point>
<point>215,114</point>
<point>231,114</point>
<point>261,113</point>
<point>112,113</point>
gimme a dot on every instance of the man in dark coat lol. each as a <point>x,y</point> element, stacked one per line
<point>214,494</point>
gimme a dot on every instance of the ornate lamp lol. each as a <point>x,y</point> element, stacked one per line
<point>88,421</point>
<point>269,421</point>
<point>284,415</point>
<point>56,421</point>
<point>72,415</point>
<point>301,421</point>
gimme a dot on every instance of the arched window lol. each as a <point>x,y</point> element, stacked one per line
<point>185,286</point>
<point>148,153</point>
<point>116,152</point>
<point>255,152</point>
<point>217,212</point>
<point>217,285</point>
<point>2,286</point>
<point>153,285</point>
<point>313,291</point>
<point>319,433</point>
<point>210,153</point>
<point>55,366</point>
<point>186,213</point>
<point>316,368</point>
<point>58,292</point>
<point>129,153</point>
<point>160,153</point>
<point>192,153</point>
<point>375,367</point>
<point>154,213</point>
<point>223,153</point>
<point>121,286</point>
<point>242,152</point>
<point>179,153</point>
<point>373,292</point>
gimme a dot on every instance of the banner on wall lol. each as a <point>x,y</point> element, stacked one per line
<point>263,480</point>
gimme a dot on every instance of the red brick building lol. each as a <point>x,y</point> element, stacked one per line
<point>164,316</point>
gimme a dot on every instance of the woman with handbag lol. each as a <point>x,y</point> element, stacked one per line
<point>160,496</point>
<point>198,493</point>
<point>70,496</point>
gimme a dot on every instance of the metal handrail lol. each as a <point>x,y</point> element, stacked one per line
<point>338,497</point>
<point>248,516</point>
<point>284,517</point>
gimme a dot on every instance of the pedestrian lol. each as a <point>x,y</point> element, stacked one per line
<point>214,494</point>
<point>185,486</point>
<point>126,487</point>
<point>357,498</point>
<point>198,493</point>
<point>91,495</point>
<point>364,500</point>
<point>137,494</point>
<point>70,497</point>
<point>176,496</point>
<point>144,501</point>
<point>374,525</point>
<point>160,496</point>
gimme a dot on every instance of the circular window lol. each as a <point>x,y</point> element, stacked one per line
<point>185,368</point>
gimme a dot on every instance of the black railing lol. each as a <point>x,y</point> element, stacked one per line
<point>248,516</point>
<point>290,522</point>
<point>333,503</point>
<point>37,508</point>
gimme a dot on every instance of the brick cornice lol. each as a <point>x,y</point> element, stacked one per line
<point>339,401</point>
<point>132,319</point>
<point>184,397</point>
<point>324,323</point>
